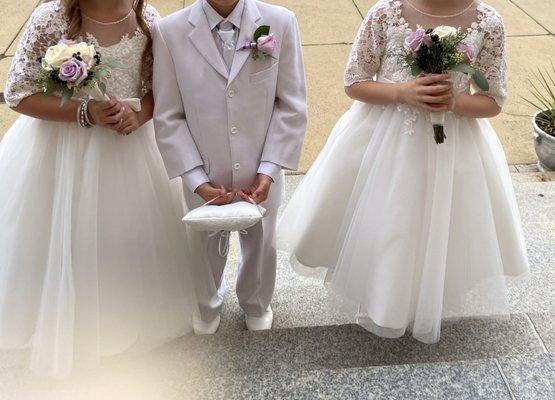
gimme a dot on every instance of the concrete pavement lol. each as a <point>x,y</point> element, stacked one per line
<point>328,28</point>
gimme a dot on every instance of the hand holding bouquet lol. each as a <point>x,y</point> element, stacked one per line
<point>438,51</point>
<point>70,69</point>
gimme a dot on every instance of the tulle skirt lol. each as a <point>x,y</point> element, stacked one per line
<point>93,257</point>
<point>406,231</point>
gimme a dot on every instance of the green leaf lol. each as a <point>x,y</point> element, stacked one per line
<point>50,90</point>
<point>415,70</point>
<point>480,80</point>
<point>478,77</point>
<point>464,68</point>
<point>102,73</point>
<point>102,87</point>
<point>67,94</point>
<point>263,30</point>
<point>258,55</point>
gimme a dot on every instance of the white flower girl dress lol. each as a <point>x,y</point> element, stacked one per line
<point>93,258</point>
<point>408,231</point>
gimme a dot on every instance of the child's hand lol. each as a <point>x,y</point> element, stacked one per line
<point>129,123</point>
<point>209,193</point>
<point>259,189</point>
<point>105,113</point>
<point>429,92</point>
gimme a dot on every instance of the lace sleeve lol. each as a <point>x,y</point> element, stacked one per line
<point>151,15</point>
<point>368,48</point>
<point>492,59</point>
<point>45,28</point>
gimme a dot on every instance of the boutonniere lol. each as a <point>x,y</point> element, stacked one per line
<point>263,43</point>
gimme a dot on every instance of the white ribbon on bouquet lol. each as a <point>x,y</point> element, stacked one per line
<point>96,94</point>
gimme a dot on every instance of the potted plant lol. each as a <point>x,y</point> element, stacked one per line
<point>542,89</point>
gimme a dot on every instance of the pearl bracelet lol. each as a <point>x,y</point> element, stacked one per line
<point>82,117</point>
<point>86,112</point>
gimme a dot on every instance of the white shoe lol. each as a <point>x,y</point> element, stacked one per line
<point>205,328</point>
<point>261,323</point>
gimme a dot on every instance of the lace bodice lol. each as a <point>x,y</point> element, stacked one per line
<point>380,39</point>
<point>47,25</point>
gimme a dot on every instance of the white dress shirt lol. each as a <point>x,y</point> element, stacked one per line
<point>197,176</point>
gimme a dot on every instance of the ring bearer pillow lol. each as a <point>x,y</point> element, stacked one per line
<point>231,217</point>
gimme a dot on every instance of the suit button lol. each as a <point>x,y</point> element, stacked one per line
<point>234,130</point>
<point>236,166</point>
<point>231,93</point>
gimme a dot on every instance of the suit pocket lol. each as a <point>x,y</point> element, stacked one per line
<point>261,76</point>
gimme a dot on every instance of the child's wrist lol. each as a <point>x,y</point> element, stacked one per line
<point>398,93</point>
<point>456,106</point>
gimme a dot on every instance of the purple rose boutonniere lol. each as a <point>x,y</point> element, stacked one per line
<point>263,45</point>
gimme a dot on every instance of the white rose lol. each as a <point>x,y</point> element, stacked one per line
<point>83,48</point>
<point>444,31</point>
<point>56,55</point>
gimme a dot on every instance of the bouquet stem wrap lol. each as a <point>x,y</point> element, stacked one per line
<point>438,121</point>
<point>95,93</point>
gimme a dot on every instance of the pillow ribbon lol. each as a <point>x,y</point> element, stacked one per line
<point>223,243</point>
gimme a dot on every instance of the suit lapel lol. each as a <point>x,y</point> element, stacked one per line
<point>202,39</point>
<point>251,15</point>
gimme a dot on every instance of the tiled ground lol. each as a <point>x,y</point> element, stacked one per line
<point>328,28</point>
<point>315,352</point>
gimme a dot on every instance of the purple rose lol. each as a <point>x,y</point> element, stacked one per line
<point>415,39</point>
<point>467,49</point>
<point>267,44</point>
<point>73,71</point>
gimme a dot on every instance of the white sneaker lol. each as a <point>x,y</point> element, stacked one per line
<point>205,328</point>
<point>261,323</point>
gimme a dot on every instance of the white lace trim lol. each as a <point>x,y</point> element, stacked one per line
<point>46,26</point>
<point>380,40</point>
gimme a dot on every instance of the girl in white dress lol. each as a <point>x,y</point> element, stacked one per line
<point>408,231</point>
<point>92,253</point>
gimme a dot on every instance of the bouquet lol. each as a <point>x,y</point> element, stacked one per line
<point>438,51</point>
<point>70,68</point>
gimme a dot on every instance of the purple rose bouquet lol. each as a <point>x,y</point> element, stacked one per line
<point>70,69</point>
<point>438,51</point>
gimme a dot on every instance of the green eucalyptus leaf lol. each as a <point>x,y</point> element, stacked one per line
<point>480,80</point>
<point>476,75</point>
<point>263,30</point>
<point>464,68</point>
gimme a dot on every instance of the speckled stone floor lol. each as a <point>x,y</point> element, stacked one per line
<point>314,352</point>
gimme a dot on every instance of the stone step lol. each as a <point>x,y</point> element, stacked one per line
<point>521,378</point>
<point>475,359</point>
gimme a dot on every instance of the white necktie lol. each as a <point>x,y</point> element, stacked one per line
<point>227,34</point>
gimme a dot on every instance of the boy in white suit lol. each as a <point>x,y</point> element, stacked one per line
<point>227,122</point>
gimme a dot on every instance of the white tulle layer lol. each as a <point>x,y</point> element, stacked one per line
<point>92,253</point>
<point>408,232</point>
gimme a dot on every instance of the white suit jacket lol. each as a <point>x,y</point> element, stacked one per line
<point>228,122</point>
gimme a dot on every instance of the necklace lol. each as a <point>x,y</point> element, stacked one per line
<point>119,21</point>
<point>440,16</point>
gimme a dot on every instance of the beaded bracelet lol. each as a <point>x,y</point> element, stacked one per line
<point>86,112</point>
<point>82,117</point>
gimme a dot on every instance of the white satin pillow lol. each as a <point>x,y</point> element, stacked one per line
<point>230,217</point>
